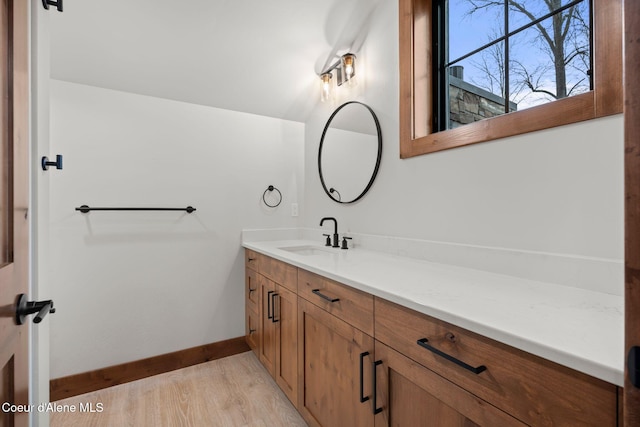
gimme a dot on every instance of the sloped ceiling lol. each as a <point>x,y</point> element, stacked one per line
<point>255,56</point>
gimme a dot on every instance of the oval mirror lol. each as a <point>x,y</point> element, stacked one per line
<point>350,152</point>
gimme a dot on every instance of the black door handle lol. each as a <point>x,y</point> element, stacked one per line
<point>363,398</point>
<point>269,301</point>
<point>376,410</point>
<point>25,308</point>
<point>273,305</point>
<point>633,365</point>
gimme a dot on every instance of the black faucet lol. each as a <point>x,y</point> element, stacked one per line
<point>335,230</point>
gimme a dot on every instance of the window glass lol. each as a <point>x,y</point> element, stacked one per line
<point>491,65</point>
<point>476,88</point>
<point>539,74</point>
<point>522,12</point>
<point>468,31</point>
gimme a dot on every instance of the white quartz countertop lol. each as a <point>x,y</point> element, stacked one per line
<point>580,329</point>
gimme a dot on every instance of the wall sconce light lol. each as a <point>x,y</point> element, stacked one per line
<point>345,70</point>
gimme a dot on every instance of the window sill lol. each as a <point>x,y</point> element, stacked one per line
<point>565,111</point>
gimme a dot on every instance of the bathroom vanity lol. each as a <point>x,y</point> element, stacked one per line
<point>361,338</point>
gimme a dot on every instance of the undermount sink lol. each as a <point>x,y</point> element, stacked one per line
<point>308,250</point>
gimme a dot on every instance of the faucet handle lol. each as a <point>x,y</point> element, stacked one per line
<point>344,242</point>
<point>328,243</point>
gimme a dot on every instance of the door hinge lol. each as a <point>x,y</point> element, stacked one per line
<point>56,3</point>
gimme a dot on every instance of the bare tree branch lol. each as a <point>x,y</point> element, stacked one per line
<point>543,32</point>
<point>575,86</point>
<point>565,40</point>
<point>568,20</point>
<point>572,56</point>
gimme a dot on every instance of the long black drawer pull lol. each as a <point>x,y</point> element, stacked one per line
<point>376,410</point>
<point>424,344</point>
<point>363,398</point>
<point>273,304</point>
<point>317,292</point>
<point>269,301</point>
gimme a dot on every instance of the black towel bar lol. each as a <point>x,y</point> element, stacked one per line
<point>86,209</point>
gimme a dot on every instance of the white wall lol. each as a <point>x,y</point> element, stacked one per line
<point>130,285</point>
<point>557,191</point>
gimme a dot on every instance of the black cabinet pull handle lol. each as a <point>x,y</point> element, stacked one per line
<point>269,301</point>
<point>424,343</point>
<point>363,398</point>
<point>251,331</point>
<point>376,410</point>
<point>317,292</point>
<point>273,304</point>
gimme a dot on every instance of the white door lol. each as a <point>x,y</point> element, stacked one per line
<point>14,203</point>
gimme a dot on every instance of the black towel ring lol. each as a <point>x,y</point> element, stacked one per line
<point>271,188</point>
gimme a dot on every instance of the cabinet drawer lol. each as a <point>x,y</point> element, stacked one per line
<point>351,305</point>
<point>251,289</point>
<point>280,272</point>
<point>251,259</point>
<point>534,390</point>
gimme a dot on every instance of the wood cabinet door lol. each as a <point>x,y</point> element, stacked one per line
<point>252,330</point>
<point>266,324</point>
<point>286,321</point>
<point>252,310</point>
<point>329,369</point>
<point>252,296</point>
<point>411,395</point>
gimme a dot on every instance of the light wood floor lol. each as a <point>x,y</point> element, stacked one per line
<point>233,391</point>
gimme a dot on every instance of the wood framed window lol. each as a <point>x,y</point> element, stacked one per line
<point>419,133</point>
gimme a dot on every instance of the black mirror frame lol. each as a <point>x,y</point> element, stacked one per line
<point>377,166</point>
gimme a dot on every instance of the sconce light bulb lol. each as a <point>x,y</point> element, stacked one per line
<point>349,68</point>
<point>348,71</point>
<point>326,88</point>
